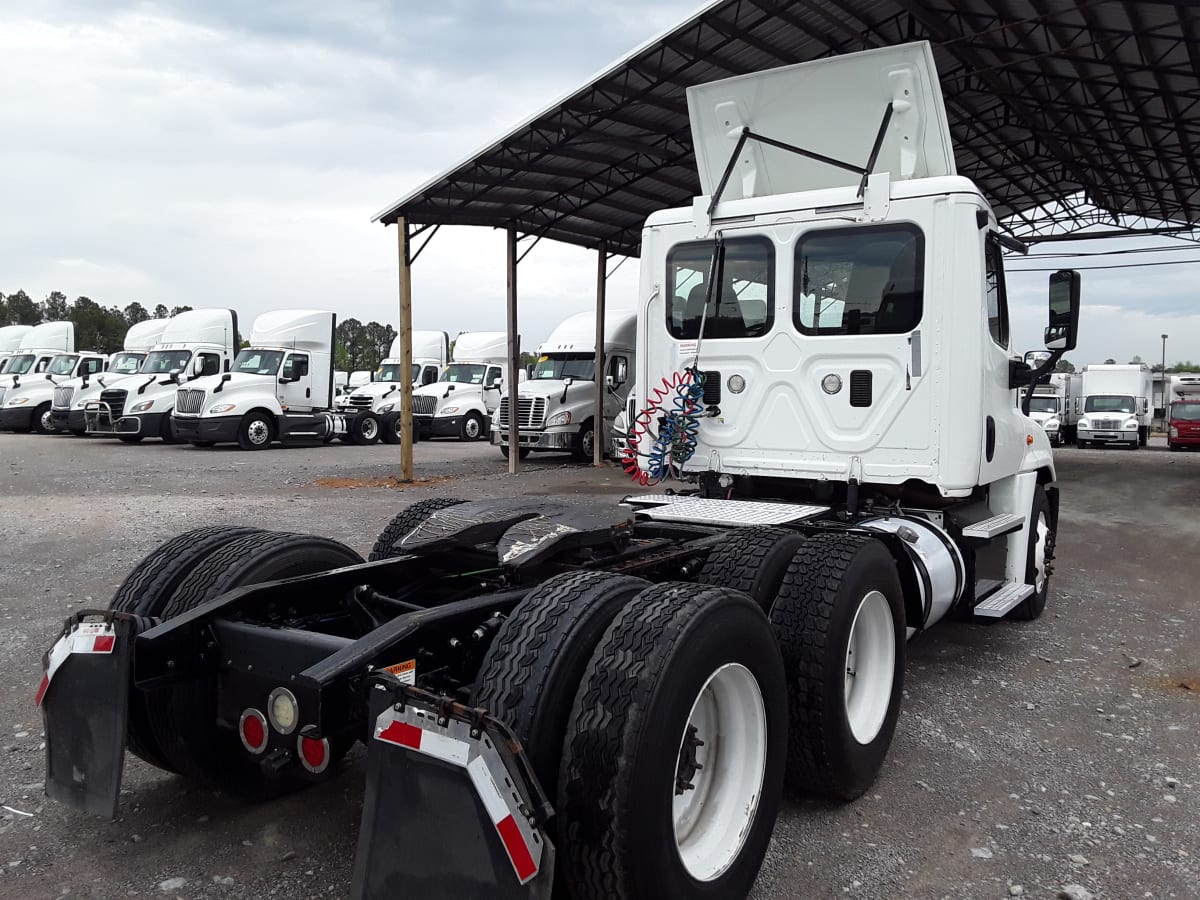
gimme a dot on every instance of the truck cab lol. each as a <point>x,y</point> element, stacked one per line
<point>71,397</point>
<point>1183,415</point>
<point>10,343</point>
<point>461,402</point>
<point>194,344</point>
<point>27,371</point>
<point>28,404</point>
<point>430,354</point>
<point>1116,406</point>
<point>556,404</point>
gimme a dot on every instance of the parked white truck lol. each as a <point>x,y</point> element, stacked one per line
<point>194,344</point>
<point>1116,406</point>
<point>461,402</point>
<point>1183,412</point>
<point>10,342</point>
<point>631,682</point>
<point>430,354</point>
<point>279,388</point>
<point>556,405</point>
<point>70,397</point>
<point>28,401</point>
<point>29,365</point>
<point>1055,406</point>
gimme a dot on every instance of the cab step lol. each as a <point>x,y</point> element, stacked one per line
<point>999,602</point>
<point>989,529</point>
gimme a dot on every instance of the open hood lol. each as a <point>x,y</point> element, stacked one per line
<point>833,107</point>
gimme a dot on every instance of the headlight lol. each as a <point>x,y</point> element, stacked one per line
<point>447,410</point>
<point>1131,424</point>
<point>1174,431</point>
<point>18,401</point>
<point>220,408</point>
<point>386,408</point>
<point>1083,423</point>
<point>141,407</point>
<point>1051,425</point>
<point>562,418</point>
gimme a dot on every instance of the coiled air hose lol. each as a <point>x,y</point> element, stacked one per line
<point>677,405</point>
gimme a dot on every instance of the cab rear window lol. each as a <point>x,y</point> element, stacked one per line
<point>743,307</point>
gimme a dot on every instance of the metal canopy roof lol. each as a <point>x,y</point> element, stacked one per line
<point>1048,100</point>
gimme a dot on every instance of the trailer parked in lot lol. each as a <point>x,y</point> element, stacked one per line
<point>194,344</point>
<point>430,354</point>
<point>71,397</point>
<point>1116,406</point>
<point>1183,414</point>
<point>279,388</point>
<point>605,700</point>
<point>30,363</point>
<point>556,405</point>
<point>461,402</point>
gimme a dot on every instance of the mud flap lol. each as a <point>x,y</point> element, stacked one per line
<point>84,697</point>
<point>451,808</point>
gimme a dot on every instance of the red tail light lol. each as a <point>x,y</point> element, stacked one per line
<point>314,754</point>
<point>253,731</point>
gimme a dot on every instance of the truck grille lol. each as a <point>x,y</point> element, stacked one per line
<point>115,398</point>
<point>1105,425</point>
<point>62,397</point>
<point>189,402</point>
<point>424,405</point>
<point>531,412</point>
<point>360,402</point>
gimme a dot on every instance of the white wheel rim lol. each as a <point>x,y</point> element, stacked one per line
<point>713,817</point>
<point>870,667</point>
<point>589,443</point>
<point>1039,553</point>
<point>258,432</point>
<point>472,428</point>
<point>48,421</point>
<point>369,429</point>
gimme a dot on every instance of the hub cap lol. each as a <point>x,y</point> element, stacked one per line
<point>370,429</point>
<point>471,427</point>
<point>48,421</point>
<point>258,432</point>
<point>588,443</point>
<point>870,667</point>
<point>718,779</point>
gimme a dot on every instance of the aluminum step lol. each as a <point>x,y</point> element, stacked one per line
<point>999,603</point>
<point>727,512</point>
<point>995,526</point>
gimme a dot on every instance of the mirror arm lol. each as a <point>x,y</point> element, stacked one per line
<point>1021,375</point>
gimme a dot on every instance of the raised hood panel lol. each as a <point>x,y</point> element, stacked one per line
<point>829,106</point>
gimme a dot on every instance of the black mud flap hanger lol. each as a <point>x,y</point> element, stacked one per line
<point>452,807</point>
<point>84,698</point>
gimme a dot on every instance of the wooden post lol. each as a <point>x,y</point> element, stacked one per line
<point>598,432</point>
<point>514,357</point>
<point>406,405</point>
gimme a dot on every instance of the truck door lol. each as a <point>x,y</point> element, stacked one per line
<point>491,395</point>
<point>295,383</point>
<point>1004,428</point>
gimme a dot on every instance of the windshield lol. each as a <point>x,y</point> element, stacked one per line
<point>253,361</point>
<point>63,365</point>
<point>126,363</point>
<point>580,366</point>
<point>463,373</point>
<point>1103,403</point>
<point>19,365</point>
<point>162,362</point>
<point>1043,404</point>
<point>1186,412</point>
<point>392,373</point>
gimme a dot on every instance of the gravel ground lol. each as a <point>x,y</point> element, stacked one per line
<point>1033,759</point>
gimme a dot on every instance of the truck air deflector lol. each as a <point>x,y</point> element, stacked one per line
<point>674,508</point>
<point>84,697</point>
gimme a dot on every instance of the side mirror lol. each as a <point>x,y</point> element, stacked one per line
<point>496,382</point>
<point>1063,329</point>
<point>620,371</point>
<point>1142,406</point>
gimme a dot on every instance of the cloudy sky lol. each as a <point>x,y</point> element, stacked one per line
<point>232,153</point>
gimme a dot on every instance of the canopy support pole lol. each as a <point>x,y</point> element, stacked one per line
<point>406,419</point>
<point>598,432</point>
<point>514,356</point>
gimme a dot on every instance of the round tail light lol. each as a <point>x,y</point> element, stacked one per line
<point>253,731</point>
<point>313,753</point>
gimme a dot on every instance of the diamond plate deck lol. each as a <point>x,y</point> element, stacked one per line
<point>729,512</point>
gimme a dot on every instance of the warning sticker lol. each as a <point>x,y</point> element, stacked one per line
<point>406,671</point>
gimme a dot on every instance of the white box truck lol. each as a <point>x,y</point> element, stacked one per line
<point>10,342</point>
<point>461,402</point>
<point>1055,407</point>
<point>31,362</point>
<point>430,354</point>
<point>642,675</point>
<point>194,344</point>
<point>70,397</point>
<point>1116,406</point>
<point>279,388</point>
<point>556,405</point>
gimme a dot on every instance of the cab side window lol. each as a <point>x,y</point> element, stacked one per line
<point>295,366</point>
<point>92,366</point>
<point>210,364</point>
<point>493,373</point>
<point>997,296</point>
<point>429,376</point>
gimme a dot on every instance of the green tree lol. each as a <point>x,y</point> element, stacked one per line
<point>135,313</point>
<point>378,339</point>
<point>351,345</point>
<point>176,310</point>
<point>1110,362</point>
<point>1136,361</point>
<point>55,307</point>
<point>22,310</point>
<point>161,312</point>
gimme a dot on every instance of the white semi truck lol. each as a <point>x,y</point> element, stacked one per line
<point>430,354</point>
<point>194,344</point>
<point>1116,406</point>
<point>10,342</point>
<point>71,397</point>
<point>279,388</point>
<point>30,363</point>
<point>1055,406</point>
<point>604,699</point>
<point>556,405</point>
<point>461,402</point>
